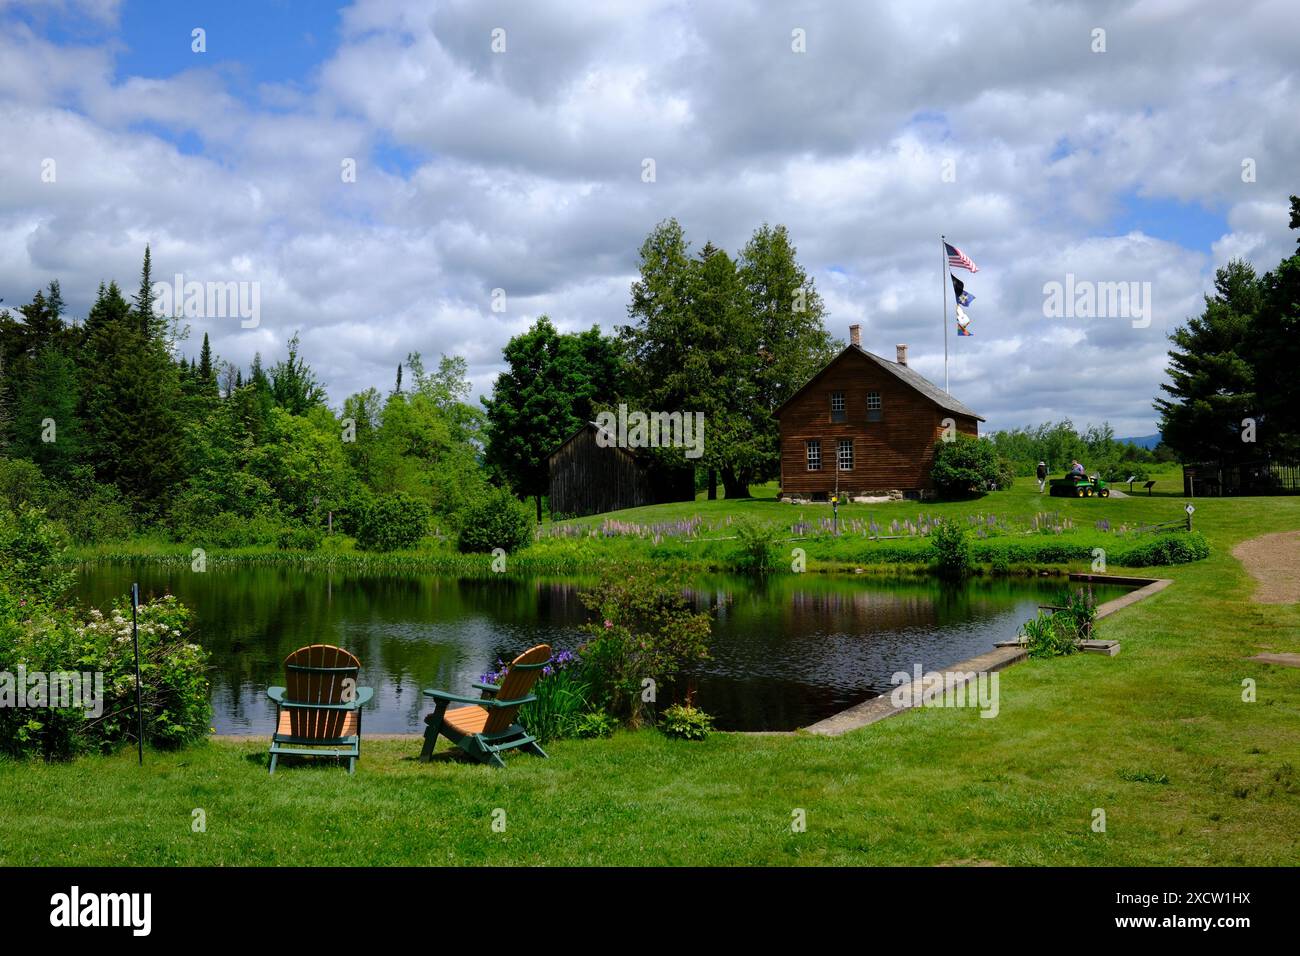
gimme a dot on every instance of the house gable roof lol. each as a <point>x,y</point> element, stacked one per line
<point>911,377</point>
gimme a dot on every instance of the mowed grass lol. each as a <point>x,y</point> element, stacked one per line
<point>1074,736</point>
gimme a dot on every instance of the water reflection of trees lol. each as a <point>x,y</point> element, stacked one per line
<point>784,647</point>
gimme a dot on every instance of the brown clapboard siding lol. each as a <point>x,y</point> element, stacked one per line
<point>894,453</point>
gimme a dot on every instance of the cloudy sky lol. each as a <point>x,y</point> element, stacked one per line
<point>1005,126</point>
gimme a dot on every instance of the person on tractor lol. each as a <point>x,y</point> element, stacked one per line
<point>1077,469</point>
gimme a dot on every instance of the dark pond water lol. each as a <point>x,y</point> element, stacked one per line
<point>786,654</point>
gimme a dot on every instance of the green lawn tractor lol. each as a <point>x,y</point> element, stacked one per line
<point>1079,486</point>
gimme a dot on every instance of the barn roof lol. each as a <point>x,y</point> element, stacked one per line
<point>907,374</point>
<point>599,430</point>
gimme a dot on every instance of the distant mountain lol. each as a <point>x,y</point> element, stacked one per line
<point>1145,441</point>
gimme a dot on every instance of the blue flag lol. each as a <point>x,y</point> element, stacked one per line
<point>959,290</point>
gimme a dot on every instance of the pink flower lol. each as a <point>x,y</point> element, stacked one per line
<point>608,623</point>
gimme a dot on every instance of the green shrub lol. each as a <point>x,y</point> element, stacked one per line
<point>30,551</point>
<point>646,632</point>
<point>21,483</point>
<point>951,543</point>
<point>298,538</point>
<point>173,676</point>
<point>496,519</point>
<point>1006,473</point>
<point>91,512</point>
<point>685,722</point>
<point>227,529</point>
<point>1120,471</point>
<point>1079,617</point>
<point>757,553</point>
<point>562,697</point>
<point>594,724</point>
<point>965,466</point>
<point>1181,547</point>
<point>390,522</point>
<point>1046,638</point>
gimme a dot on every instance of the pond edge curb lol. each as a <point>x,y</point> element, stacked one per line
<point>883,707</point>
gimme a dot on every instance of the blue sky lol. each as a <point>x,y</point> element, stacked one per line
<point>521,170</point>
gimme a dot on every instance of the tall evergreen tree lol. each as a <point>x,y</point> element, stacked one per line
<point>151,325</point>
<point>1211,384</point>
<point>1274,351</point>
<point>293,383</point>
<point>129,400</point>
<point>731,339</point>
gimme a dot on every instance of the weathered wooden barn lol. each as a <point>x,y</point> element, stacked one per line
<point>587,478</point>
<point>864,425</point>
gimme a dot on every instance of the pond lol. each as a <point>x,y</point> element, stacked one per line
<point>786,653</point>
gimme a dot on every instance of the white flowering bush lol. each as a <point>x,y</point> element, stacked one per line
<point>173,673</point>
<point>173,677</point>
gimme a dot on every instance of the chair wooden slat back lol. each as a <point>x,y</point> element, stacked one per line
<point>317,675</point>
<point>524,672</point>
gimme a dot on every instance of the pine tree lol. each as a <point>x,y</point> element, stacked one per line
<point>1274,352</point>
<point>129,400</point>
<point>151,325</point>
<point>1211,383</point>
<point>294,384</point>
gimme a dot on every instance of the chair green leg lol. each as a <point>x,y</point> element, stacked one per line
<point>274,758</point>
<point>534,748</point>
<point>431,731</point>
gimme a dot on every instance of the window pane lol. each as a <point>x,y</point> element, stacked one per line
<point>846,454</point>
<point>814,451</point>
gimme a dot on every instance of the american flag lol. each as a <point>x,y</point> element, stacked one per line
<point>958,259</point>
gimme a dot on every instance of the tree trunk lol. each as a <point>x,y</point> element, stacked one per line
<point>734,485</point>
<point>713,484</point>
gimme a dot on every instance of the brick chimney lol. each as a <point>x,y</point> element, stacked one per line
<point>902,354</point>
<point>855,335</point>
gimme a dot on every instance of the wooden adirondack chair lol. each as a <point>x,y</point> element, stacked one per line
<point>486,726</point>
<point>313,718</point>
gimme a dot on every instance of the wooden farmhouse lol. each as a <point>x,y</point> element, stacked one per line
<point>864,425</point>
<point>587,478</point>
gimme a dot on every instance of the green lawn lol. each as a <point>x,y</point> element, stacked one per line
<point>654,533</point>
<point>1074,735</point>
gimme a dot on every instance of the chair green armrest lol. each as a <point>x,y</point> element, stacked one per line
<point>489,688</point>
<point>517,702</point>
<point>303,705</point>
<point>457,698</point>
<point>364,696</point>
<point>479,701</point>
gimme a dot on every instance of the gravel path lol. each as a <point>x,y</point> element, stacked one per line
<point>1273,560</point>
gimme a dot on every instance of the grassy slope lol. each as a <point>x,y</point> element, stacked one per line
<point>714,546</point>
<point>927,787</point>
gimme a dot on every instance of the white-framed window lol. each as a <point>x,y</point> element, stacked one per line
<point>837,406</point>
<point>874,407</point>
<point>814,452</point>
<point>846,454</point>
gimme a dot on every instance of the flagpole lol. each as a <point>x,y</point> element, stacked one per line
<point>944,281</point>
